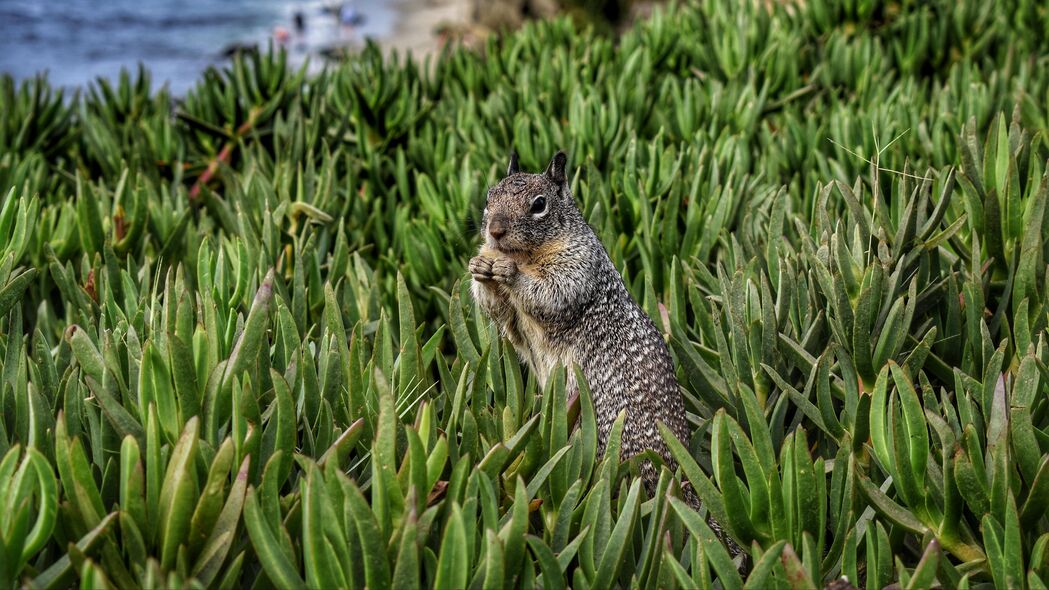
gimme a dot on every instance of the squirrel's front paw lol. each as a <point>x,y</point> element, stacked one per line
<point>504,270</point>
<point>481,268</point>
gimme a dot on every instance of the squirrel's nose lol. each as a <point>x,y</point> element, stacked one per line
<point>497,227</point>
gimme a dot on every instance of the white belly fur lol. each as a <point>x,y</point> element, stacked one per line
<point>530,338</point>
<point>540,354</point>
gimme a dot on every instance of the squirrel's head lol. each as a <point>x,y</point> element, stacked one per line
<point>526,211</point>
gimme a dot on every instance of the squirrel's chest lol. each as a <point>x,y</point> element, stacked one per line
<point>535,344</point>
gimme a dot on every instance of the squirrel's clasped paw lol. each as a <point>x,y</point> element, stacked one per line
<point>500,270</point>
<point>481,268</point>
<point>504,270</point>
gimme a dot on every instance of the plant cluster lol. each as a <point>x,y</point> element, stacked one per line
<point>237,347</point>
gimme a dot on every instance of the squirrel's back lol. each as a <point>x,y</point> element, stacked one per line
<point>627,366</point>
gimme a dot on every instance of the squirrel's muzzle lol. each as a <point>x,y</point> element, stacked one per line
<point>498,226</point>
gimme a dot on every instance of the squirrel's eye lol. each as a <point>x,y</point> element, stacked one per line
<point>538,205</point>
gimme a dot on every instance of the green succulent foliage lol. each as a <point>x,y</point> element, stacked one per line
<point>238,349</point>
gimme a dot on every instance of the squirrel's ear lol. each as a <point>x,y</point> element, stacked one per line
<point>514,166</point>
<point>556,170</point>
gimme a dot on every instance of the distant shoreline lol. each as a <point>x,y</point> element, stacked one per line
<point>177,45</point>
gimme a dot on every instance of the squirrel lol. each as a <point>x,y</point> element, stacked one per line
<point>544,278</point>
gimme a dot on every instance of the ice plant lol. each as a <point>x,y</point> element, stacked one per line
<point>237,345</point>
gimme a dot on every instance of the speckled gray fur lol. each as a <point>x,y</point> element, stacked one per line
<point>549,285</point>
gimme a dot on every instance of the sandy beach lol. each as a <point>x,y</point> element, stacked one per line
<point>418,22</point>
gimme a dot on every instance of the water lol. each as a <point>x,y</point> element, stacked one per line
<point>77,41</point>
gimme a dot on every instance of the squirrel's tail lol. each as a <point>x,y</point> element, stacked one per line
<point>650,478</point>
<point>693,500</point>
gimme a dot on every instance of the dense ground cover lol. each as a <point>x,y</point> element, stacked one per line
<point>238,347</point>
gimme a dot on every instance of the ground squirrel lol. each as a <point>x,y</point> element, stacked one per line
<point>546,281</point>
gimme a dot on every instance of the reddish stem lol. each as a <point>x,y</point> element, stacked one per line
<point>224,154</point>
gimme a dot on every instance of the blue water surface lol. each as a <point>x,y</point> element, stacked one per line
<point>76,41</point>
